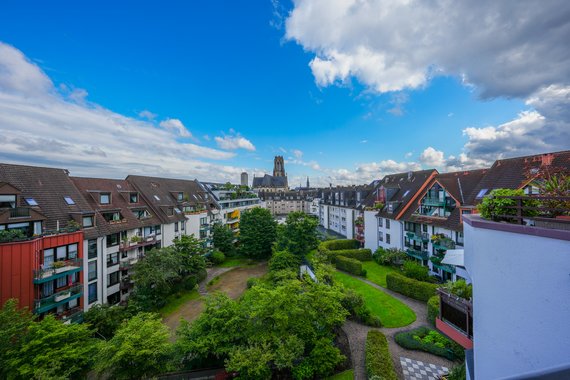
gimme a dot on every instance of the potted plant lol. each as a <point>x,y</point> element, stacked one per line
<point>61,296</point>
<point>59,266</point>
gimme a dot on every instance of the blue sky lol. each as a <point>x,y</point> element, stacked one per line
<point>247,73</point>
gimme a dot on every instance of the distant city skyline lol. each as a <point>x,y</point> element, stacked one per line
<point>345,91</point>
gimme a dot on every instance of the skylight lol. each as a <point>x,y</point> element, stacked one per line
<point>31,201</point>
<point>69,201</point>
<point>156,197</point>
<point>177,210</point>
<point>481,193</point>
<point>406,193</point>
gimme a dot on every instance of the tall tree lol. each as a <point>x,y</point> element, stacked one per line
<point>299,234</point>
<point>223,239</point>
<point>190,251</point>
<point>53,350</point>
<point>257,233</point>
<point>14,323</point>
<point>139,349</point>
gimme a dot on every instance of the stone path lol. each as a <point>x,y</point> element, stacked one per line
<point>415,369</point>
<point>357,333</point>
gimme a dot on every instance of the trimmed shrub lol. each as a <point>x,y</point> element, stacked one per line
<point>415,289</point>
<point>428,340</point>
<point>378,358</point>
<point>460,288</point>
<point>432,309</point>
<point>335,245</point>
<point>492,207</point>
<point>252,281</point>
<point>349,265</point>
<point>284,260</point>
<point>416,271</point>
<point>392,256</point>
<point>359,312</point>
<point>364,254</point>
<point>217,257</point>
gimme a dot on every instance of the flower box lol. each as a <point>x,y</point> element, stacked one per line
<point>62,296</point>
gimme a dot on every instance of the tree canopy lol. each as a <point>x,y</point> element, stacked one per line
<point>257,233</point>
<point>299,234</point>
<point>223,239</point>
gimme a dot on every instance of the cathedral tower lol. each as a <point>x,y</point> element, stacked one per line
<point>278,167</point>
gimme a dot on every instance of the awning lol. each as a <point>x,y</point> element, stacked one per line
<point>453,257</point>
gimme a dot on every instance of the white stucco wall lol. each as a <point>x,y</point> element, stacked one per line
<point>370,230</point>
<point>395,232</point>
<point>521,301</point>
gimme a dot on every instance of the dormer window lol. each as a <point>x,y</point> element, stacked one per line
<point>112,216</point>
<point>142,214</point>
<point>7,201</point>
<point>69,201</point>
<point>105,198</point>
<point>31,201</point>
<point>133,197</point>
<point>87,221</point>
<point>180,197</point>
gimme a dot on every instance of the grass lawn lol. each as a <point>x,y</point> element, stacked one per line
<point>392,312</point>
<point>345,375</point>
<point>173,302</point>
<point>237,262</point>
<point>376,273</point>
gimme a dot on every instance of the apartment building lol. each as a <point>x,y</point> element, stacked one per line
<point>516,324</point>
<point>126,228</point>
<point>43,267</point>
<point>341,207</point>
<point>285,202</point>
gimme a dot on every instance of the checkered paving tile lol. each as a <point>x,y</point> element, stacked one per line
<point>417,370</point>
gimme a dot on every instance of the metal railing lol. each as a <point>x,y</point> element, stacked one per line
<point>534,207</point>
<point>20,212</point>
<point>46,303</point>
<point>56,268</point>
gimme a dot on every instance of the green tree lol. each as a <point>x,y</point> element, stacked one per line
<point>223,239</point>
<point>139,349</point>
<point>106,319</point>
<point>299,234</point>
<point>257,233</point>
<point>54,350</point>
<point>189,251</point>
<point>282,260</point>
<point>14,323</point>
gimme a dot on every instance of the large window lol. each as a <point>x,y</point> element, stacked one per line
<point>92,275</point>
<point>7,201</point>
<point>92,293</point>
<point>112,259</point>
<point>92,249</point>
<point>112,279</point>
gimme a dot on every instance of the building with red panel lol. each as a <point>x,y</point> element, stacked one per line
<point>41,246</point>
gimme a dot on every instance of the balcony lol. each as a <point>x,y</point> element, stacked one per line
<point>443,244</point>
<point>57,299</point>
<point>455,318</point>
<point>232,220</point>
<point>126,283</point>
<point>73,315</point>
<point>129,245</point>
<point>204,227</point>
<point>56,270</point>
<point>433,202</point>
<point>419,237</point>
<point>420,255</point>
<point>445,267</point>
<point>20,212</point>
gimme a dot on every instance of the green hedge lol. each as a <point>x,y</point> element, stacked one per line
<point>378,358</point>
<point>432,309</point>
<point>364,254</point>
<point>335,245</point>
<point>450,349</point>
<point>419,290</point>
<point>349,265</point>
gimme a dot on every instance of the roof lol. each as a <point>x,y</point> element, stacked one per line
<point>120,191</point>
<point>346,196</point>
<point>400,189</point>
<point>515,173</point>
<point>269,181</point>
<point>161,194</point>
<point>48,187</point>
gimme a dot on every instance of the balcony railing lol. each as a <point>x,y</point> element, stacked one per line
<point>127,246</point>
<point>434,202</point>
<point>445,267</point>
<point>535,207</point>
<point>73,315</point>
<point>421,255</point>
<point>47,303</point>
<point>20,212</point>
<point>456,318</point>
<point>419,237</point>
<point>444,244</point>
<point>56,270</point>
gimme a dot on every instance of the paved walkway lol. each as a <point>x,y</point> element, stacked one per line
<point>418,370</point>
<point>357,333</point>
<point>212,273</point>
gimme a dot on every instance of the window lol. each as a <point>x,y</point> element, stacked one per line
<point>156,197</point>
<point>72,251</point>
<point>92,249</point>
<point>424,227</point>
<point>176,227</point>
<point>380,236</point>
<point>112,240</point>
<point>47,289</point>
<point>157,230</point>
<point>380,222</point>
<point>31,201</point>
<point>114,298</point>
<point>481,193</point>
<point>112,279</point>
<point>180,197</point>
<point>61,282</point>
<point>133,197</point>
<point>141,214</point>
<point>61,253</point>
<point>203,221</point>
<point>105,198</point>
<point>87,221</point>
<point>92,273</point>
<point>387,238</point>
<point>7,201</point>
<point>112,216</point>
<point>177,210</point>
<point>112,259</point>
<point>182,226</point>
<point>388,223</point>
<point>92,291</point>
<point>406,193</point>
<point>69,200</point>
<point>48,258</point>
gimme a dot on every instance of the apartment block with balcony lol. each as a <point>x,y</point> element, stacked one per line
<point>516,324</point>
<point>42,264</point>
<point>126,228</point>
<point>281,203</point>
<point>341,210</point>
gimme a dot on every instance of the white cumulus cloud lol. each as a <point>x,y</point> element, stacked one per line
<point>233,142</point>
